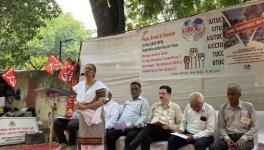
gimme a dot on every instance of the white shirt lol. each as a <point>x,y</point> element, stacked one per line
<point>200,124</point>
<point>111,111</point>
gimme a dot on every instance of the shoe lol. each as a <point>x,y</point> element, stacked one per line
<point>72,147</point>
<point>62,147</point>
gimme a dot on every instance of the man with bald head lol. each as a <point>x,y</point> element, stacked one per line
<point>198,124</point>
<point>236,122</point>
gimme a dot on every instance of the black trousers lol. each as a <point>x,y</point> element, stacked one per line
<point>176,142</point>
<point>112,135</point>
<point>71,125</point>
<point>147,135</point>
<point>221,144</point>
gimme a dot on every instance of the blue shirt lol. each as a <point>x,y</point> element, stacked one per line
<point>135,111</point>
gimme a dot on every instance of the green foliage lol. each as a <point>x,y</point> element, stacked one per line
<point>142,13</point>
<point>59,29</point>
<point>36,63</point>
<point>20,21</point>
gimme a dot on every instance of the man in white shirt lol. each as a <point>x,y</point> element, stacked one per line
<point>111,111</point>
<point>198,124</point>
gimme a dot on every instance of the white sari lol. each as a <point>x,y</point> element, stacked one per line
<point>91,122</point>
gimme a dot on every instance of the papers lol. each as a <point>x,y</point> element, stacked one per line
<point>180,135</point>
<point>121,125</point>
<point>154,122</point>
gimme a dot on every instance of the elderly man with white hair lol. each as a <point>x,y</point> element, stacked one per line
<point>198,124</point>
<point>237,122</point>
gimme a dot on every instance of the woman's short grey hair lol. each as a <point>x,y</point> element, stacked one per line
<point>94,68</point>
<point>197,94</point>
<point>234,86</point>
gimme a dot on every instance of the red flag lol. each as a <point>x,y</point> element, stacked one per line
<point>74,81</point>
<point>9,77</point>
<point>67,71</point>
<point>53,64</point>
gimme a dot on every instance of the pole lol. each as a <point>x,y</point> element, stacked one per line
<point>60,50</point>
<point>203,82</point>
<point>61,46</point>
<point>51,123</point>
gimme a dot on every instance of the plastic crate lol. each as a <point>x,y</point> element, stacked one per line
<point>35,138</point>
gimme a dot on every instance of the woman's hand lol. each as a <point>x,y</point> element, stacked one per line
<point>80,106</point>
<point>68,115</point>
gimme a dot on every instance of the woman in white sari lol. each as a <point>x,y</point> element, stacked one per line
<point>90,100</point>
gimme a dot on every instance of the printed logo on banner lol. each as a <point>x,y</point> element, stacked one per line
<point>12,123</point>
<point>247,67</point>
<point>193,30</point>
<point>194,60</point>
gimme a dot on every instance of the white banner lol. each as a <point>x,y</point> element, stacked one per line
<point>13,129</point>
<point>119,58</point>
<point>212,44</point>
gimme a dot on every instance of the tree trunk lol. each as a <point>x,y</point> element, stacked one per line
<point>109,18</point>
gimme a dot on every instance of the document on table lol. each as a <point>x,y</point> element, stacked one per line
<point>180,135</point>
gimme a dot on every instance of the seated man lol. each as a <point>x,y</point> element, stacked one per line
<point>236,122</point>
<point>164,118</point>
<point>133,117</point>
<point>111,111</point>
<point>198,124</point>
<point>71,124</point>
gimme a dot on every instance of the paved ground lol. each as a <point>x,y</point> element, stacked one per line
<point>261,146</point>
<point>7,147</point>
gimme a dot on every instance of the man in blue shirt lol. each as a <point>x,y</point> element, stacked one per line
<point>132,119</point>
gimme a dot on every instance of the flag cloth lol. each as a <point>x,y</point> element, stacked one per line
<point>53,64</point>
<point>67,71</point>
<point>75,79</point>
<point>9,76</point>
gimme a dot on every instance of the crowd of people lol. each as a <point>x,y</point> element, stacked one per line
<point>99,121</point>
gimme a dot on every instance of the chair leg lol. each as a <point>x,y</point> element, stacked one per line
<point>77,142</point>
